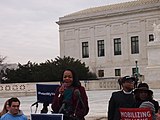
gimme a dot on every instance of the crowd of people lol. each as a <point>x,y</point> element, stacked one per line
<point>131,97</point>
<point>71,100</point>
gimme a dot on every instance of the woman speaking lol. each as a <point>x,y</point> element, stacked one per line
<point>70,98</point>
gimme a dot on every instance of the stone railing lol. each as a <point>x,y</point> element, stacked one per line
<point>28,89</point>
<point>17,89</point>
<point>102,84</point>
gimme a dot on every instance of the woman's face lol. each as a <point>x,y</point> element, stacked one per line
<point>67,78</point>
<point>143,95</point>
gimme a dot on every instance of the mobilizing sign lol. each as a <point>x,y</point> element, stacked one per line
<point>136,114</point>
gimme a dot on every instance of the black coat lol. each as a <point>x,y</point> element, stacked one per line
<point>119,100</point>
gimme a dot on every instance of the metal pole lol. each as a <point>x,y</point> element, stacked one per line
<point>136,68</point>
<point>136,75</point>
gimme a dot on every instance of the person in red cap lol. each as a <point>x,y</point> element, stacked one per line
<point>121,99</point>
<point>143,93</point>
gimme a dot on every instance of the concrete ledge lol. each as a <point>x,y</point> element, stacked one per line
<point>16,94</point>
<point>29,89</point>
<point>105,84</point>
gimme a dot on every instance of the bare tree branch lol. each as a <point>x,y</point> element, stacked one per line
<point>2,59</point>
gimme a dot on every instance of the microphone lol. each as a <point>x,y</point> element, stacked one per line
<point>62,89</point>
<point>62,108</point>
<point>65,102</point>
<point>78,94</point>
<point>59,95</point>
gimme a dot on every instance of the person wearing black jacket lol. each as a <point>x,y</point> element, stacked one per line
<point>143,93</point>
<point>121,99</point>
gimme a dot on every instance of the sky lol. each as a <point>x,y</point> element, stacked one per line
<point>28,29</point>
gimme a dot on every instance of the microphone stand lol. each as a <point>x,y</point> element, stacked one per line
<point>36,107</point>
<point>36,103</point>
<point>45,108</point>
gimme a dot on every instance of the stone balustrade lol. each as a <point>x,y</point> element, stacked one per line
<point>105,84</point>
<point>25,87</point>
<point>28,89</point>
<point>17,89</point>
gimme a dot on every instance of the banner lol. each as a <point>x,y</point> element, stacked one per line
<point>45,92</point>
<point>46,116</point>
<point>136,114</point>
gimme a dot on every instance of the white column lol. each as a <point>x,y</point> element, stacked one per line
<point>108,45</point>
<point>78,44</point>
<point>125,43</point>
<point>143,40</point>
<point>92,49</point>
<point>62,43</point>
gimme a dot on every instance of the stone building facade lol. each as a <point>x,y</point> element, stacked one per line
<point>110,39</point>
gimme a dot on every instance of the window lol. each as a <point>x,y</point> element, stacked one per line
<point>85,50</point>
<point>134,45</point>
<point>100,73</point>
<point>100,48</point>
<point>117,72</point>
<point>117,46</point>
<point>151,37</point>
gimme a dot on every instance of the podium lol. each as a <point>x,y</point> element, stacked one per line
<point>45,94</point>
<point>46,116</point>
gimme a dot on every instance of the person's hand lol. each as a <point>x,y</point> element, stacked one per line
<point>62,88</point>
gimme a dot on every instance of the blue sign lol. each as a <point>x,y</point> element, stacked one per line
<point>45,92</point>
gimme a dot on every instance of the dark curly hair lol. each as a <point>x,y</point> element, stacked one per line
<point>76,81</point>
